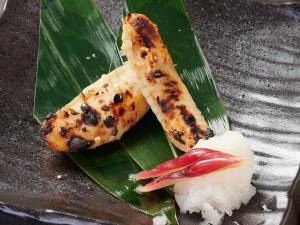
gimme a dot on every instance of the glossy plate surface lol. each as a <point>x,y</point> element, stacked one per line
<point>3,4</point>
<point>253,51</point>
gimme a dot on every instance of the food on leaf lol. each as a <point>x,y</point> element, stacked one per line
<point>161,85</point>
<point>213,176</point>
<point>100,114</point>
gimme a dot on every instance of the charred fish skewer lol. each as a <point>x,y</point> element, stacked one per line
<point>102,113</point>
<point>161,85</point>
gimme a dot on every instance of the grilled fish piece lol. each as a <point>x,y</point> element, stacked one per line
<point>102,113</point>
<point>161,85</point>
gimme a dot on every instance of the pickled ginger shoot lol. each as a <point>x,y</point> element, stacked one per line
<point>213,178</point>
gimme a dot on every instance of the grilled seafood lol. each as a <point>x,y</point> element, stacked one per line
<point>102,113</point>
<point>160,84</point>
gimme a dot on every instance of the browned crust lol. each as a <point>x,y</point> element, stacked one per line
<point>149,54</point>
<point>147,31</point>
<point>94,118</point>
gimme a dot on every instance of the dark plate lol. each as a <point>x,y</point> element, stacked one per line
<point>3,4</point>
<point>254,52</point>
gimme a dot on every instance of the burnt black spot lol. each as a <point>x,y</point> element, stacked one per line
<point>177,135</point>
<point>105,108</point>
<point>142,26</point>
<point>139,24</point>
<point>114,132</point>
<point>198,133</point>
<point>144,54</point>
<point>165,104</point>
<point>195,130</point>
<point>90,116</point>
<point>49,116</point>
<point>209,133</point>
<point>63,131</point>
<point>46,129</point>
<point>77,144</point>
<point>158,74</point>
<point>145,29</point>
<point>121,111</point>
<point>170,91</point>
<point>109,121</point>
<point>167,108</point>
<point>73,112</point>
<point>84,129</point>
<point>175,97</point>
<point>66,114</point>
<point>97,93</point>
<point>150,77</point>
<point>147,42</point>
<point>118,98</point>
<point>78,122</point>
<point>85,108</point>
<point>128,93</point>
<point>170,83</point>
<point>189,120</point>
<point>142,23</point>
<point>158,100</point>
<point>132,106</point>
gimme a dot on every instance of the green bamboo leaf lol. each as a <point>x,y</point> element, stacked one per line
<point>110,167</point>
<point>147,144</point>
<point>76,46</point>
<point>176,31</point>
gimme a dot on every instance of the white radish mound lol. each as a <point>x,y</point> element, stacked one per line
<point>159,220</point>
<point>222,191</point>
